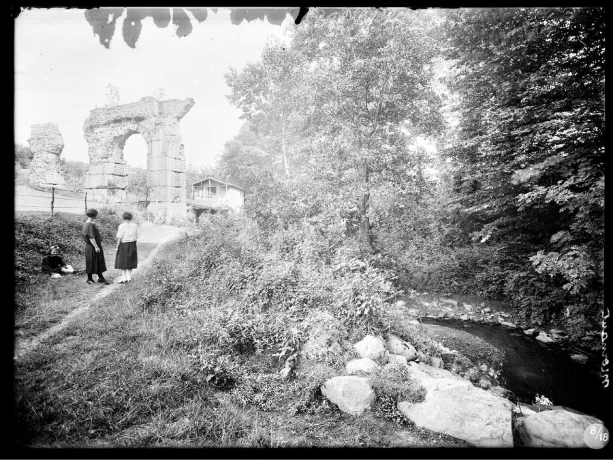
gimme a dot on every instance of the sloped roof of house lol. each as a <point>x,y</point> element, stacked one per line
<point>217,180</point>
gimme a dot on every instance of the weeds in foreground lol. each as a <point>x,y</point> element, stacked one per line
<point>197,366</point>
<point>393,385</point>
<point>46,301</point>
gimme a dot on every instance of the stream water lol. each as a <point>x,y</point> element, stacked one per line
<point>532,368</point>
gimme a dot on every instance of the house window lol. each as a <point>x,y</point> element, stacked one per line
<point>212,190</point>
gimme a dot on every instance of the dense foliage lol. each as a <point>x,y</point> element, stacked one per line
<point>73,173</point>
<point>23,155</point>
<point>530,150</point>
<point>268,282</point>
<point>465,147</point>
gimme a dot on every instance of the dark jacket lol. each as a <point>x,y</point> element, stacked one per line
<point>52,264</point>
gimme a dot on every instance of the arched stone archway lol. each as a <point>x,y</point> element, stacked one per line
<point>106,131</point>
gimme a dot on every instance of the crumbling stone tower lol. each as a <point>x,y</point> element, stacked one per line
<point>46,143</point>
<point>106,132</point>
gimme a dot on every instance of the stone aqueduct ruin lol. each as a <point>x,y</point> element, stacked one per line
<point>47,144</point>
<point>106,132</point>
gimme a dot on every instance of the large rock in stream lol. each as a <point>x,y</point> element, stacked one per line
<point>455,407</point>
<point>554,428</point>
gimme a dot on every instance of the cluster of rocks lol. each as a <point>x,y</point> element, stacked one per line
<point>452,405</point>
<point>482,314</point>
<point>451,309</point>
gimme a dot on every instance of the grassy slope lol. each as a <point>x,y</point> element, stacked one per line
<point>120,376</point>
<point>49,300</point>
<point>41,300</point>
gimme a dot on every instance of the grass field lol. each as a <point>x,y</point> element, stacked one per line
<point>50,299</point>
<point>120,375</point>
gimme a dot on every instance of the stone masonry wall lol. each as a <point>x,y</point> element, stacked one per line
<point>106,131</point>
<point>47,144</point>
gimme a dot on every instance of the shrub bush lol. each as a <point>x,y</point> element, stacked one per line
<point>231,264</point>
<point>392,385</point>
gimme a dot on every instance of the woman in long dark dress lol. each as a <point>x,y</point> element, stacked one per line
<point>94,255</point>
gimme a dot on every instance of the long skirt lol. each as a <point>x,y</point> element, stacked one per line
<point>94,262</point>
<point>127,256</point>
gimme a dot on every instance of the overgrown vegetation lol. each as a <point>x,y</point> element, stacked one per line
<point>23,155</point>
<point>391,386</point>
<point>488,180</point>
<point>73,173</point>
<point>192,355</point>
<point>449,151</point>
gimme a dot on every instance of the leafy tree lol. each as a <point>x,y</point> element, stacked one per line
<point>243,161</point>
<point>137,184</point>
<point>23,155</point>
<point>159,93</point>
<point>266,92</point>
<point>74,173</point>
<point>370,73</point>
<point>531,145</point>
<point>346,133</point>
<point>194,173</point>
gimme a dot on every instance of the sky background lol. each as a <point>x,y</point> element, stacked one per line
<point>62,72</point>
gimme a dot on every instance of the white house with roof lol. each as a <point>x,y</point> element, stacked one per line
<point>214,195</point>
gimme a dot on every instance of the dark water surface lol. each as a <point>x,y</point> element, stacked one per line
<point>533,368</point>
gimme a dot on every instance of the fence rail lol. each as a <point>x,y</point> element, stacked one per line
<point>48,196</point>
<point>55,202</point>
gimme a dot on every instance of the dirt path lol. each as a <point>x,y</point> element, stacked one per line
<point>149,234</point>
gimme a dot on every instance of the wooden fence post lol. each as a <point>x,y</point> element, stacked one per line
<point>85,201</point>
<point>52,199</point>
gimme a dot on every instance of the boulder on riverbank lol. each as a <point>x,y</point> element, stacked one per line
<point>362,365</point>
<point>455,407</point>
<point>581,359</point>
<point>554,428</point>
<point>373,348</point>
<point>399,359</point>
<point>400,347</point>
<point>467,344</point>
<point>351,394</point>
<point>543,337</point>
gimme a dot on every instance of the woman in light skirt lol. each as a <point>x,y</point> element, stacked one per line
<point>126,258</point>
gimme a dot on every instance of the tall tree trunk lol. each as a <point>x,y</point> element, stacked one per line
<point>365,234</point>
<point>284,151</point>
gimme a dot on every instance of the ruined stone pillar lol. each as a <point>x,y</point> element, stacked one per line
<point>47,144</point>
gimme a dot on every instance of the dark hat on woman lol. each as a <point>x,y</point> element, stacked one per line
<point>91,212</point>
